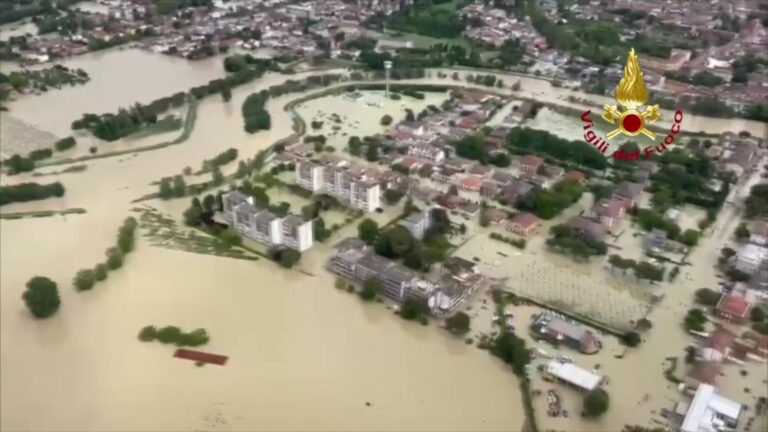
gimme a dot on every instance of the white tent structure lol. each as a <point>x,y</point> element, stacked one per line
<point>574,375</point>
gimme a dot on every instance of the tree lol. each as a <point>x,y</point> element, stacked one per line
<point>148,334</point>
<point>193,214</point>
<point>453,190</point>
<point>100,272</point>
<point>372,152</point>
<point>230,237</point>
<point>41,297</point>
<point>260,197</point>
<point>511,349</point>
<point>501,160</point>
<point>742,232</point>
<point>355,145</point>
<point>695,320</point>
<point>386,120</point>
<point>631,339</point>
<point>289,258</point>
<point>400,240</point>
<point>485,218</point>
<point>596,402</point>
<point>690,237</point>
<point>413,309</point>
<point>392,196</point>
<point>166,188</point>
<point>371,287</point>
<point>209,203</point>
<point>471,147</point>
<point>458,323</point>
<point>226,94</point>
<point>707,297</point>
<point>114,258</point>
<point>367,230</point>
<point>84,279</point>
<point>216,176</point>
<point>168,334</point>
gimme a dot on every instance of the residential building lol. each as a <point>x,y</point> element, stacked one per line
<point>587,228</point>
<point>557,330</point>
<point>749,258</point>
<point>459,280</point>
<point>351,185</point>
<point>468,209</point>
<point>530,164</point>
<point>449,202</point>
<point>704,372</point>
<point>733,308</point>
<point>575,175</point>
<point>264,226</point>
<point>489,189</point>
<point>524,224</point>
<point>355,261</point>
<point>628,193</point>
<point>470,183</point>
<point>709,411</point>
<point>418,223</point>
<point>718,345</point>
<point>496,216</point>
<point>297,233</point>
<point>431,153</point>
<point>609,212</point>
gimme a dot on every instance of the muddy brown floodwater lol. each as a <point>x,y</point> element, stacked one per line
<point>302,355</point>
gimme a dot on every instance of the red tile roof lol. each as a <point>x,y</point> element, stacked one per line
<point>532,160</point>
<point>720,339</point>
<point>471,182</point>
<point>525,220</point>
<point>575,175</point>
<point>734,305</point>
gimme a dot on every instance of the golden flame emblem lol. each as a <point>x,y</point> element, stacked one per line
<point>632,94</point>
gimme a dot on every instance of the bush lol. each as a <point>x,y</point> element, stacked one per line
<point>413,309</point>
<point>148,334</point>
<point>84,279</point>
<point>386,120</point>
<point>596,402</point>
<point>40,154</point>
<point>114,258</point>
<point>370,289</point>
<point>631,339</point>
<point>100,272</point>
<point>41,297</point>
<point>707,296</point>
<point>289,258</point>
<point>458,323</point>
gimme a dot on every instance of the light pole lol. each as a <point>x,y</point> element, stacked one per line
<point>387,67</point>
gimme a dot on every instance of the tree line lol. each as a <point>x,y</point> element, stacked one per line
<point>24,192</point>
<point>567,239</point>
<point>544,143</point>
<point>85,279</point>
<point>173,335</point>
<point>18,164</point>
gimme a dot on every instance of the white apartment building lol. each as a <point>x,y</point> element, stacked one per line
<point>297,233</point>
<point>418,223</point>
<point>264,226</point>
<point>339,180</point>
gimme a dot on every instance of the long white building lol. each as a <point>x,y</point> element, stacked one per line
<point>350,185</point>
<point>264,226</point>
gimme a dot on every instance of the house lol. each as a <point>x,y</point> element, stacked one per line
<point>470,183</point>
<point>587,228</point>
<point>459,280</point>
<point>628,193</point>
<point>609,212</point>
<point>426,193</point>
<point>718,345</point>
<point>458,164</point>
<point>749,258</point>
<point>489,189</point>
<point>553,171</point>
<point>483,171</point>
<point>733,308</point>
<point>709,411</point>
<point>559,331</point>
<point>428,152</point>
<point>496,216</point>
<point>576,176</point>
<point>418,223</point>
<point>524,224</point>
<point>515,191</point>
<point>656,240</point>
<point>503,178</point>
<point>530,164</point>
<point>450,202</point>
<point>469,209</point>
<point>704,372</point>
<point>411,164</point>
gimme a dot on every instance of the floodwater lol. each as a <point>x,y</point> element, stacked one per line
<point>17,28</point>
<point>303,356</point>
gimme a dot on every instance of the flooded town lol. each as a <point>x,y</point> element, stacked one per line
<point>383,216</point>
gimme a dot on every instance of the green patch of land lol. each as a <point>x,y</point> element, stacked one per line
<point>165,232</point>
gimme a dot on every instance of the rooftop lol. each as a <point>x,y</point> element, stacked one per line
<point>573,374</point>
<point>733,304</point>
<point>706,407</point>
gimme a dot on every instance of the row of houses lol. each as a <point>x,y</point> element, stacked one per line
<point>264,226</point>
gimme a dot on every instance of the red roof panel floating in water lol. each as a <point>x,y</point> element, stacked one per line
<point>200,356</point>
